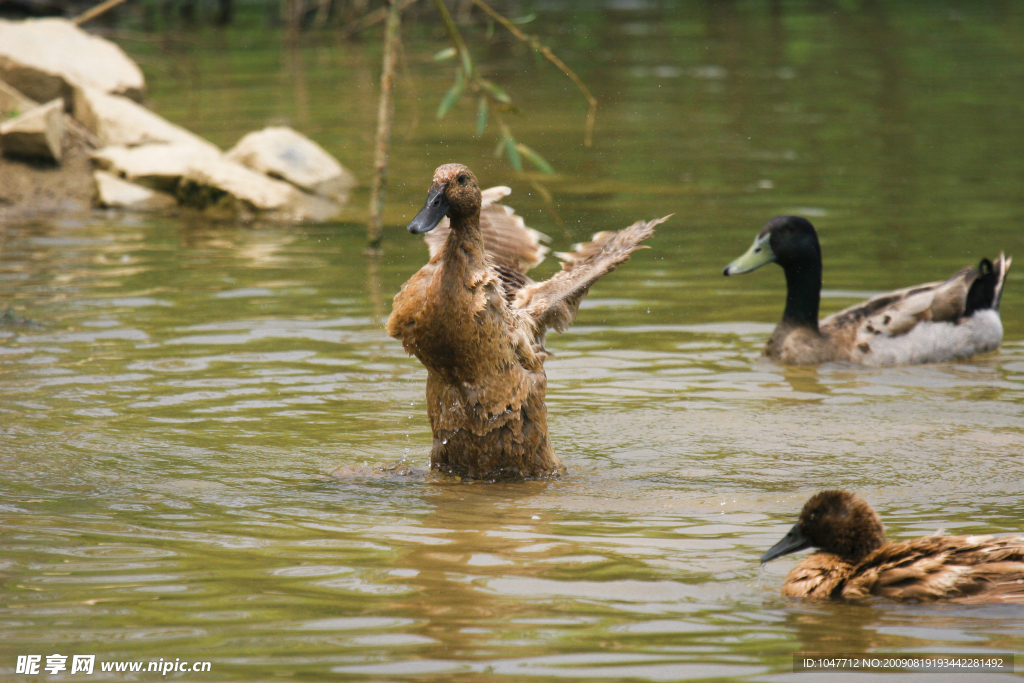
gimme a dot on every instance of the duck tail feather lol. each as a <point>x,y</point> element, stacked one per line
<point>1002,265</point>
<point>987,289</point>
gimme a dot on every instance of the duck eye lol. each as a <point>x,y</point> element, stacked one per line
<point>462,179</point>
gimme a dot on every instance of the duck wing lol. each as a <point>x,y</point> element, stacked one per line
<point>511,246</point>
<point>902,326</point>
<point>959,568</point>
<point>554,302</point>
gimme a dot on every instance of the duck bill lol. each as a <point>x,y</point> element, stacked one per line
<point>792,542</point>
<point>760,253</point>
<point>432,212</point>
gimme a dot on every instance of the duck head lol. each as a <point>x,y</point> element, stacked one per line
<point>838,522</point>
<point>453,193</point>
<point>786,240</point>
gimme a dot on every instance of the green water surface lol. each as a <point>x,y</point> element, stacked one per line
<point>173,423</point>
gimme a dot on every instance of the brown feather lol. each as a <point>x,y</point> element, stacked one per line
<point>508,242</point>
<point>852,330</point>
<point>555,302</point>
<point>950,568</point>
<point>484,360</point>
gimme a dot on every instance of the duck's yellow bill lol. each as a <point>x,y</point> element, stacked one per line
<point>760,253</point>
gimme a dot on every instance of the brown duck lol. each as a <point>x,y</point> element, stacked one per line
<point>930,323</point>
<point>856,561</point>
<point>477,323</point>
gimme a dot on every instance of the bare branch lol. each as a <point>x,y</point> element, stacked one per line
<point>385,115</point>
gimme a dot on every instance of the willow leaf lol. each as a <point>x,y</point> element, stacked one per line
<point>445,54</point>
<point>537,160</point>
<point>494,91</point>
<point>481,116</point>
<point>513,154</point>
<point>453,95</point>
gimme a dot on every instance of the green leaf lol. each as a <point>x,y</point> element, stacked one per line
<point>499,151</point>
<point>525,20</point>
<point>445,54</point>
<point>481,116</point>
<point>453,95</point>
<point>513,154</point>
<point>467,61</point>
<point>494,91</point>
<point>537,160</point>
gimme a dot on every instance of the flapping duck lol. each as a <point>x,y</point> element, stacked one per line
<point>931,323</point>
<point>856,561</point>
<point>477,323</point>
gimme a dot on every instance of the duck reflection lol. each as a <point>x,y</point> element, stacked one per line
<point>804,380</point>
<point>476,533</point>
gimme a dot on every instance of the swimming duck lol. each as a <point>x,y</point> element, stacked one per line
<point>856,561</point>
<point>931,323</point>
<point>477,323</point>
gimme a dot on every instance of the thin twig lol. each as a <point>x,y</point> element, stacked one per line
<point>453,33</point>
<point>371,19</point>
<point>95,11</point>
<point>385,115</point>
<point>551,57</point>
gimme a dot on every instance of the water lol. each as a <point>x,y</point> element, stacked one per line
<point>173,423</point>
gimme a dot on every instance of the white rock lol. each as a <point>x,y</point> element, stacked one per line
<point>119,121</point>
<point>37,133</point>
<point>159,166</point>
<point>112,192</point>
<point>206,187</point>
<point>225,188</point>
<point>11,100</point>
<point>46,58</point>
<point>280,152</point>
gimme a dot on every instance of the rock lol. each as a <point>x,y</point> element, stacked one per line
<point>38,133</point>
<point>30,190</point>
<point>226,189</point>
<point>13,102</point>
<point>112,192</point>
<point>158,166</point>
<point>119,121</point>
<point>47,58</point>
<point>280,152</point>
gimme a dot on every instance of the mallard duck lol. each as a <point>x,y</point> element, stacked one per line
<point>931,323</point>
<point>477,323</point>
<point>856,561</point>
